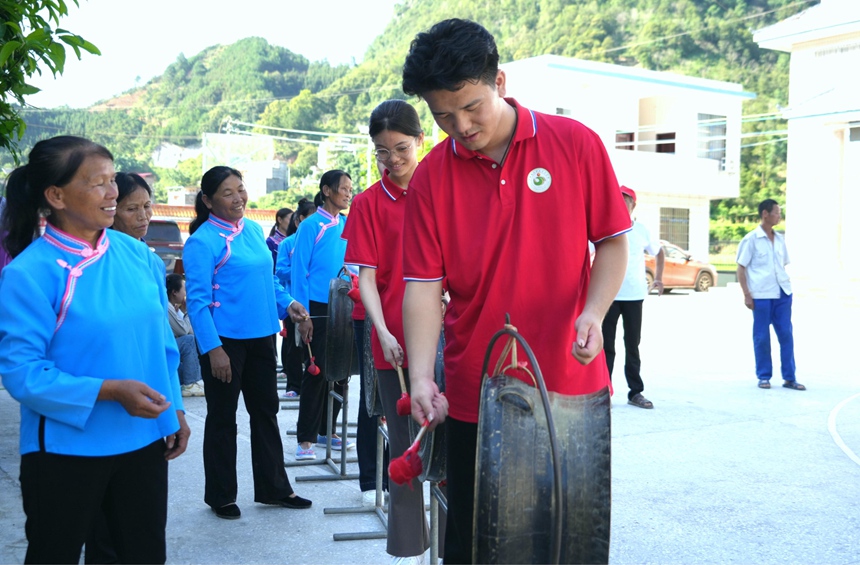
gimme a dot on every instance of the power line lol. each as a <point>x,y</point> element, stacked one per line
<point>397,87</point>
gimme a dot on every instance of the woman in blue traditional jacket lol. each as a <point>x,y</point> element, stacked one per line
<point>318,258</point>
<point>101,411</point>
<point>231,300</point>
<point>291,354</point>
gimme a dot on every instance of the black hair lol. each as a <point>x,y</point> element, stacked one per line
<point>395,115</point>
<point>767,206</point>
<point>51,162</point>
<point>209,184</point>
<point>126,183</point>
<point>304,208</point>
<point>173,282</point>
<point>282,213</point>
<point>330,179</point>
<point>449,54</point>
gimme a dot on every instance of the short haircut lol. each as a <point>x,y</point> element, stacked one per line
<point>126,183</point>
<point>448,55</point>
<point>767,206</point>
<point>173,282</point>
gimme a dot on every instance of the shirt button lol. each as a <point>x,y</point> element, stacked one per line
<point>503,182</point>
<point>495,166</point>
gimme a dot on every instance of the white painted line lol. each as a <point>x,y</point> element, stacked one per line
<point>831,426</point>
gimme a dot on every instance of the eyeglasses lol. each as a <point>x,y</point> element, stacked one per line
<point>401,151</point>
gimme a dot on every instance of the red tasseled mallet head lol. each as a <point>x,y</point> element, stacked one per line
<point>312,368</point>
<point>408,466</point>
<point>353,292</point>
<point>404,405</point>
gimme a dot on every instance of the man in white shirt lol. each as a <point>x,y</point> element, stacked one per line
<point>628,304</point>
<point>762,257</point>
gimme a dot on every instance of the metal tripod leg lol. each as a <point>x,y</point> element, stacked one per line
<point>338,468</point>
<point>437,499</point>
<point>379,508</point>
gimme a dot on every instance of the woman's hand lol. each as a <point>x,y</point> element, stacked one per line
<point>138,398</point>
<point>297,312</point>
<point>178,442</point>
<point>390,348</point>
<point>220,363</point>
<point>306,330</point>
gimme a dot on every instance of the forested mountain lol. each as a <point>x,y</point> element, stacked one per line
<point>256,82</point>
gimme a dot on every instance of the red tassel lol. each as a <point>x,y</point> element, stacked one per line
<point>354,294</point>
<point>283,332</point>
<point>408,466</point>
<point>312,368</point>
<point>404,405</point>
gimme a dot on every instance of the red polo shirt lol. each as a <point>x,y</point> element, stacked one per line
<point>374,235</point>
<point>514,239</point>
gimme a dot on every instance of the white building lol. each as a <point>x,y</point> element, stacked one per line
<point>674,139</point>
<point>823,184</point>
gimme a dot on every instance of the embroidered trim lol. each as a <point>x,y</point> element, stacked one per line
<point>235,229</point>
<point>75,246</point>
<point>335,220</point>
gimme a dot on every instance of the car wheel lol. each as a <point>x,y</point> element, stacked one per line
<point>704,282</point>
<point>649,280</point>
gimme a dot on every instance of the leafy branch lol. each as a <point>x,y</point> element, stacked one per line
<point>31,40</point>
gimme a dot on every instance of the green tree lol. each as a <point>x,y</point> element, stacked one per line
<point>29,42</point>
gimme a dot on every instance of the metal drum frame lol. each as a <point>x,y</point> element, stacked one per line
<point>543,471</point>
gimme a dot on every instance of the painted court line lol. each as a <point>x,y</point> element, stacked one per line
<point>831,426</point>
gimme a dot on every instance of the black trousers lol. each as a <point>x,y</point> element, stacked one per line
<point>252,362</point>
<point>291,358</point>
<point>366,430</point>
<point>630,312</point>
<point>462,440</point>
<point>314,395</point>
<point>63,495</point>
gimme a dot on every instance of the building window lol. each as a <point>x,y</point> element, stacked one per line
<point>675,226</point>
<point>712,138</point>
<point>666,142</point>
<point>854,134</point>
<point>563,112</point>
<point>626,141</point>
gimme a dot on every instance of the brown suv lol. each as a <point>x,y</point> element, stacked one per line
<point>165,237</point>
<point>681,270</point>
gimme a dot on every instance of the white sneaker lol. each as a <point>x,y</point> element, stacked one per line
<point>415,560</point>
<point>194,389</point>
<point>368,498</point>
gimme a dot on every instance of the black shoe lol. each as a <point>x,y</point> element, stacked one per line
<point>640,401</point>
<point>228,512</point>
<point>296,502</point>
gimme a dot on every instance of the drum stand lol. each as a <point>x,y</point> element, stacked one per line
<point>338,469</point>
<point>437,499</point>
<point>379,508</point>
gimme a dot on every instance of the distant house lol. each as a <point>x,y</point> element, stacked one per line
<point>823,185</point>
<point>672,138</point>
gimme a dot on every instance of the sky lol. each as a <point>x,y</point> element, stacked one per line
<point>140,38</point>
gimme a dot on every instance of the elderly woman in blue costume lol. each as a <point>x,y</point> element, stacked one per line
<point>234,310</point>
<point>101,411</point>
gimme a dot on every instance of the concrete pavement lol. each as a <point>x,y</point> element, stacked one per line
<point>719,472</point>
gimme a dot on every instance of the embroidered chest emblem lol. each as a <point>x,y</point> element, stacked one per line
<point>539,180</point>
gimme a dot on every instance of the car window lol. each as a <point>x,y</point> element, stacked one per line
<point>673,253</point>
<point>163,231</point>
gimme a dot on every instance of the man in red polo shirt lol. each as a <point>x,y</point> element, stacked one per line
<point>504,209</point>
